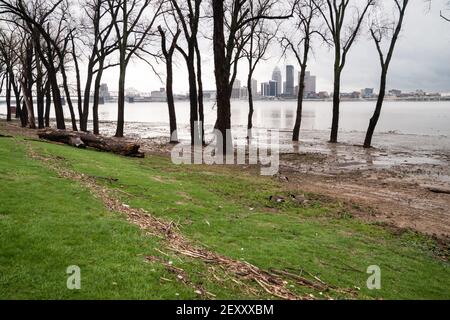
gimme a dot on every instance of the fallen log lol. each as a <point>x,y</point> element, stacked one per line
<point>441,190</point>
<point>84,140</point>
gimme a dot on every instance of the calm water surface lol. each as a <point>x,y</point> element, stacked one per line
<point>417,118</point>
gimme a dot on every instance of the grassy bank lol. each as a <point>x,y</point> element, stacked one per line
<point>48,223</point>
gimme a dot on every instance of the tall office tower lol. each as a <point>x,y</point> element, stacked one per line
<point>254,87</point>
<point>273,88</point>
<point>289,80</point>
<point>236,92</point>
<point>277,77</point>
<point>310,83</point>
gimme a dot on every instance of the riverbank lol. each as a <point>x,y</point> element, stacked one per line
<point>394,181</point>
<point>206,232</point>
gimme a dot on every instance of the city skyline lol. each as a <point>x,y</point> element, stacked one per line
<point>414,66</point>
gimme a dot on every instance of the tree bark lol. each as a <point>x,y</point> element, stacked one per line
<point>57,102</point>
<point>87,96</point>
<point>98,80</point>
<point>222,74</point>
<point>201,112</point>
<point>170,101</point>
<point>69,99</point>
<point>27,85</point>
<point>48,103</point>
<point>19,113</point>
<point>39,94</point>
<point>8,98</point>
<point>336,105</point>
<point>250,105</point>
<point>28,104</point>
<point>78,78</point>
<point>121,102</point>
<point>301,93</point>
<point>377,113</point>
<point>193,98</point>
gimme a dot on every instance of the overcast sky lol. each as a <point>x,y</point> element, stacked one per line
<point>421,60</point>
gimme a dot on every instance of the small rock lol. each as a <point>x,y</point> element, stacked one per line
<point>277,199</point>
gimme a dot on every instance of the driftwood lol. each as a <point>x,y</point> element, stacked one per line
<point>439,190</point>
<point>83,140</point>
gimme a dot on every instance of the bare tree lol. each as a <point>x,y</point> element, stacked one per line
<point>5,83</point>
<point>381,30</point>
<point>168,52</point>
<point>36,16</point>
<point>96,27</point>
<point>300,43</point>
<point>132,32</point>
<point>7,61</point>
<point>229,50</point>
<point>344,23</point>
<point>188,15</point>
<point>259,39</point>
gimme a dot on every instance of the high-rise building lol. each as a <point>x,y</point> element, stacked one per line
<point>278,78</point>
<point>104,91</point>
<point>273,88</point>
<point>289,80</point>
<point>254,87</point>
<point>367,93</point>
<point>236,92</point>
<point>310,83</point>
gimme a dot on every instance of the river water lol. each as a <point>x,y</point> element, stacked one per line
<point>418,118</point>
<point>420,125</point>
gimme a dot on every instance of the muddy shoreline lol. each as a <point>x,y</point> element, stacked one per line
<point>393,181</point>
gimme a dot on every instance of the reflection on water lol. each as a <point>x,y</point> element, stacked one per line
<point>420,118</point>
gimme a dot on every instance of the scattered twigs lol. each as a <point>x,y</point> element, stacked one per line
<point>271,282</point>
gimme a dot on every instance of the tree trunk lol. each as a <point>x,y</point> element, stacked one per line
<point>170,101</point>
<point>69,99</point>
<point>28,104</point>
<point>39,94</point>
<point>376,116</point>
<point>121,101</point>
<point>222,74</point>
<point>201,108</point>
<point>48,103</point>
<point>193,98</point>
<point>250,106</point>
<point>19,113</point>
<point>27,85</point>
<point>97,84</point>
<point>8,98</point>
<point>301,93</point>
<point>78,77</point>
<point>336,103</point>
<point>39,80</point>
<point>87,96</point>
<point>57,102</point>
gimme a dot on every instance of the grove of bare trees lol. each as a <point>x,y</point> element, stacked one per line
<point>56,52</point>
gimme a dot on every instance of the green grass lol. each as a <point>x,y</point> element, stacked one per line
<point>48,223</point>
